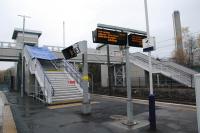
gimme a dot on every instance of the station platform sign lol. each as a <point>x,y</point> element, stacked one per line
<point>112,37</point>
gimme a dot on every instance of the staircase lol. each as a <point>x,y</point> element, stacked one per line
<point>170,69</point>
<point>57,79</point>
<point>64,91</point>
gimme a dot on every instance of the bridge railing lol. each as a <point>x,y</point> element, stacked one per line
<point>54,48</point>
<point>36,68</point>
<point>90,51</point>
<point>8,45</point>
<point>172,71</point>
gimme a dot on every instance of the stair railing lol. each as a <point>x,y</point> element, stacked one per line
<point>178,74</point>
<point>46,80</point>
<point>36,67</point>
<point>72,71</point>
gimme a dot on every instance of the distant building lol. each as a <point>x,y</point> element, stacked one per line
<point>196,57</point>
<point>177,30</point>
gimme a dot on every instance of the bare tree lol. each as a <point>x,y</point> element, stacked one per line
<point>180,56</point>
<point>185,56</point>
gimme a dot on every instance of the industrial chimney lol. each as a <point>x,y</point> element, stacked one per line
<point>177,30</point>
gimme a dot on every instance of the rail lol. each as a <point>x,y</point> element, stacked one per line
<point>36,68</point>
<point>45,77</point>
<point>90,51</point>
<point>9,45</point>
<point>72,71</point>
<point>185,77</point>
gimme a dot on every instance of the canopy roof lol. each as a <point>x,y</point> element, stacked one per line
<point>41,53</point>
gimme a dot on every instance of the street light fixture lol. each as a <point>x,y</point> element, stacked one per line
<point>22,79</point>
<point>152,114</point>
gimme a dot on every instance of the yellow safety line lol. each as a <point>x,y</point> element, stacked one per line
<point>67,105</point>
<point>8,121</point>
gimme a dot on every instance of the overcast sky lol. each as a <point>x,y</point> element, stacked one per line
<point>82,16</point>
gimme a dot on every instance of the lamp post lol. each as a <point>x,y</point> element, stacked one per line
<point>22,78</point>
<point>63,33</point>
<point>152,114</point>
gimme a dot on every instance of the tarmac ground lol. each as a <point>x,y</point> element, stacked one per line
<point>32,116</point>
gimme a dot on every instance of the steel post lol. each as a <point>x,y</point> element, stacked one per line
<point>152,113</point>
<point>197,92</point>
<point>86,108</point>
<point>129,94</point>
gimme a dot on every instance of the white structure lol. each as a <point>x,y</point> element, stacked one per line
<point>196,57</point>
<point>31,37</point>
<point>197,91</point>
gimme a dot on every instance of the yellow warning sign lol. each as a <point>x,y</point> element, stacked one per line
<point>85,77</point>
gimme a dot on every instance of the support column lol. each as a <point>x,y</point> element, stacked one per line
<point>36,87</point>
<point>197,91</point>
<point>109,71</point>
<point>158,80</point>
<point>152,112</point>
<point>18,79</point>
<point>124,76</point>
<point>129,92</point>
<point>86,108</point>
<point>115,76</point>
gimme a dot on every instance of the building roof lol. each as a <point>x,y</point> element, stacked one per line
<point>18,30</point>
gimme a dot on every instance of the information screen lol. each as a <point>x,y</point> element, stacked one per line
<point>109,37</point>
<point>135,40</point>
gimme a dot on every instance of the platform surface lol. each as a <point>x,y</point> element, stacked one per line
<point>33,117</point>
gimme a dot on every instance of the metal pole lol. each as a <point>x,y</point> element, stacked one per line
<point>152,115</point>
<point>86,96</point>
<point>158,80</point>
<point>129,94</point>
<point>92,83</point>
<point>22,81</point>
<point>63,33</point>
<point>109,72</point>
<point>197,91</point>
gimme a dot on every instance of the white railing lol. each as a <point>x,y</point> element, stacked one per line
<point>72,71</point>
<point>104,53</point>
<point>43,80</point>
<point>90,51</point>
<point>185,77</point>
<point>54,48</point>
<point>9,45</point>
<point>47,86</point>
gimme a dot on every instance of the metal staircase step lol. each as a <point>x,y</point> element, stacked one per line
<point>69,100</point>
<point>67,93</point>
<point>66,89</point>
<point>66,98</point>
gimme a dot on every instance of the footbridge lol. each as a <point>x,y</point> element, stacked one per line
<point>10,52</point>
<point>170,69</point>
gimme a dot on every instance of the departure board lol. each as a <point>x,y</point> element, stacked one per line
<point>135,40</point>
<point>109,37</point>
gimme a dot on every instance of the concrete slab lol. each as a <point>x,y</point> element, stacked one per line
<point>122,125</point>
